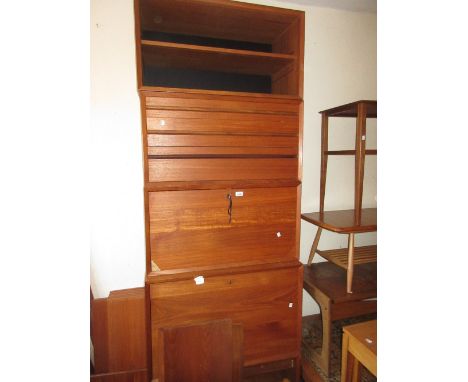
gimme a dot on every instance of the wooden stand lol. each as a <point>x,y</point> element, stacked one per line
<point>342,285</point>
<point>350,221</point>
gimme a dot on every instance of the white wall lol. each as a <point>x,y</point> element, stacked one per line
<point>340,67</point>
<point>116,194</point>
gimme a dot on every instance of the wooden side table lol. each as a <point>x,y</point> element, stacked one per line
<point>359,347</point>
<point>348,222</point>
<point>326,283</point>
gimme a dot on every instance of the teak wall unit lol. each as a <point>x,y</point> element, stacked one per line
<point>220,85</point>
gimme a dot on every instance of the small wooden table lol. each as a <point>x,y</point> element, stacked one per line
<point>359,347</point>
<point>357,220</point>
<point>326,283</point>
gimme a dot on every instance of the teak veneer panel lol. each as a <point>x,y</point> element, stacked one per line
<point>193,102</point>
<point>192,229</point>
<point>231,152</point>
<point>203,352</point>
<point>267,304</point>
<point>167,170</point>
<point>221,145</point>
<point>202,122</point>
<point>221,140</point>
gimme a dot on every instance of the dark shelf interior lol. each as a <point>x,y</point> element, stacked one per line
<point>206,41</point>
<point>205,79</point>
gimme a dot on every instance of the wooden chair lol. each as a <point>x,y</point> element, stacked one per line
<point>210,352</point>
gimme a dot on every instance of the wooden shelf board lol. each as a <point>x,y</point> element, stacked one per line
<point>175,55</point>
<point>349,152</point>
<point>362,255</point>
<point>330,280</point>
<point>149,90</point>
<point>343,221</point>
<point>350,109</point>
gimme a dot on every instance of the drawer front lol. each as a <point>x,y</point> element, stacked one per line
<point>198,122</point>
<point>222,104</point>
<point>266,303</point>
<point>192,228</point>
<point>185,145</point>
<point>194,169</point>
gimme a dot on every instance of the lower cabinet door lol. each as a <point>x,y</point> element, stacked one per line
<point>200,228</point>
<point>266,303</point>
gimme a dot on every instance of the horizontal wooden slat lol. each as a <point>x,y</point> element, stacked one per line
<point>274,97</point>
<point>157,277</point>
<point>181,121</point>
<point>221,105</point>
<point>164,170</point>
<point>349,152</point>
<point>362,255</point>
<point>220,184</point>
<point>220,140</point>
<point>231,152</point>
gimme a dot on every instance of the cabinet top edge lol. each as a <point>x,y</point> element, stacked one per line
<point>149,91</point>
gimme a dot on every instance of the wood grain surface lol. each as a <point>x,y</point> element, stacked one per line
<point>264,302</point>
<point>192,228</point>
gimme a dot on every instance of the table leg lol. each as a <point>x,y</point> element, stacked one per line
<point>350,271</point>
<point>313,249</point>
<point>356,370</point>
<point>344,357</point>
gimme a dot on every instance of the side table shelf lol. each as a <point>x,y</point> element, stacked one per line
<point>344,222</point>
<point>362,255</point>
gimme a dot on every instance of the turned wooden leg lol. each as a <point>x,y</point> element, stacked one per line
<point>349,276</point>
<point>313,249</point>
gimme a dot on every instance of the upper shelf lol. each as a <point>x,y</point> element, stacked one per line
<point>176,55</point>
<point>231,20</point>
<point>350,109</point>
<point>344,221</point>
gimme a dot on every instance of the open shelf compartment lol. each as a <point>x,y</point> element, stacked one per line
<point>220,46</point>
